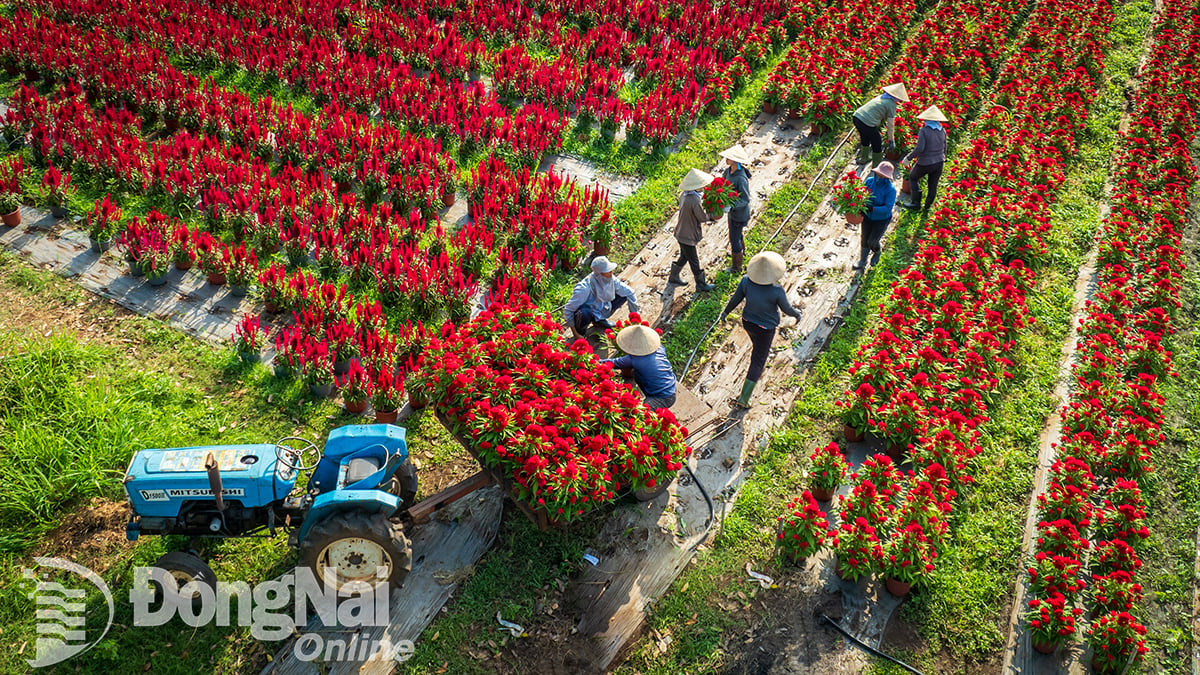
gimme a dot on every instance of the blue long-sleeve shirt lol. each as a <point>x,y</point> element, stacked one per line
<point>883,197</point>
<point>763,303</point>
<point>652,372</point>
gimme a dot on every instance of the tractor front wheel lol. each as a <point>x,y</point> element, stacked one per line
<point>181,569</point>
<point>355,544</point>
<point>404,485</point>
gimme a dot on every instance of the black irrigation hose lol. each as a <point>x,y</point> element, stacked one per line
<point>779,229</point>
<point>868,648</point>
<point>712,510</point>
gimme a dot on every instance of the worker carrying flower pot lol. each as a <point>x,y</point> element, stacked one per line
<point>596,297</point>
<point>645,355</point>
<point>873,114</point>
<point>737,161</point>
<point>689,230</point>
<point>879,212</point>
<point>764,299</point>
<point>926,159</point>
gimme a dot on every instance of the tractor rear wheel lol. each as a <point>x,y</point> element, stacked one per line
<point>183,568</point>
<point>355,544</point>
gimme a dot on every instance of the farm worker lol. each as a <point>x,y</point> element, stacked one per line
<point>736,172</point>
<point>765,298</point>
<point>645,355</point>
<point>879,212</point>
<point>872,114</point>
<point>688,230</point>
<point>927,158</point>
<point>596,297</point>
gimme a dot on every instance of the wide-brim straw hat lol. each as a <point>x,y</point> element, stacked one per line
<point>932,114</point>
<point>766,268</point>
<point>885,169</point>
<point>638,340</point>
<point>898,91</point>
<point>737,154</point>
<point>695,179</point>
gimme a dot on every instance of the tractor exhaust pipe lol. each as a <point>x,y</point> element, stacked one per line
<point>214,480</point>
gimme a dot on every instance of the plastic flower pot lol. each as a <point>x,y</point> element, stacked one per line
<point>11,68</point>
<point>355,407</point>
<point>250,357</point>
<point>58,212</point>
<point>12,219</point>
<point>283,371</point>
<point>386,416</point>
<point>897,588</point>
<point>896,452</point>
<point>216,279</point>
<point>321,390</point>
<point>906,186</point>
<point>851,434</point>
<point>822,494</point>
<point>341,367</point>
<point>837,569</point>
<point>160,280</point>
<point>1043,647</point>
<point>239,290</point>
<point>854,218</point>
<point>32,75</point>
<point>101,245</point>
<point>135,267</point>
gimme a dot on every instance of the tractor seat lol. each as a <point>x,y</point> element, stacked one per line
<point>358,469</point>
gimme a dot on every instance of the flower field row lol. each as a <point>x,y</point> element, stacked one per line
<point>942,353</point>
<point>368,57</point>
<point>823,73</point>
<point>951,59</point>
<point>1112,422</point>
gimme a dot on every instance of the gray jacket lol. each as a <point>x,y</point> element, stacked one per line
<point>931,146</point>
<point>691,216</point>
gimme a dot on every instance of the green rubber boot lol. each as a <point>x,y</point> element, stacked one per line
<point>743,401</point>
<point>864,154</point>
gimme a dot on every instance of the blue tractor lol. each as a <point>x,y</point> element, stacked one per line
<point>347,517</point>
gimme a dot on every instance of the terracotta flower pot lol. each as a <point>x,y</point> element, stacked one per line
<point>897,588</point>
<point>891,155</point>
<point>417,401</point>
<point>817,129</point>
<point>770,108</point>
<point>183,267</point>
<point>216,279</point>
<point>1045,647</point>
<point>356,407</point>
<point>12,219</point>
<point>449,197</point>
<point>854,218</point>
<point>852,435</point>
<point>172,123</point>
<point>837,569</point>
<point>821,494</point>
<point>906,186</point>
<point>32,75</point>
<point>272,308</point>
<point>793,113</point>
<point>386,416</point>
<point>11,68</point>
<point>601,249</point>
<point>896,452</point>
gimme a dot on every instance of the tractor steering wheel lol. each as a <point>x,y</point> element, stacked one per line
<point>293,458</point>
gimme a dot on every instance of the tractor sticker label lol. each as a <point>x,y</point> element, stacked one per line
<point>191,492</point>
<point>192,460</point>
<point>154,495</point>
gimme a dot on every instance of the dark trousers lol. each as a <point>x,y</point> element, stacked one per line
<point>737,243</point>
<point>688,254</point>
<point>760,339</point>
<point>586,315</point>
<point>868,135</point>
<point>934,171</point>
<point>871,233</point>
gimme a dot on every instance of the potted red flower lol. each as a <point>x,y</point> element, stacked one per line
<point>718,196</point>
<point>356,388</point>
<point>387,395</point>
<point>1116,639</point>
<point>826,470</point>
<point>103,223</point>
<point>907,559</point>
<point>802,529</point>
<point>1051,622</point>
<point>851,197</point>
<point>248,338</point>
<point>56,189</point>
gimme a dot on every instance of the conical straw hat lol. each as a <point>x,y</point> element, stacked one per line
<point>898,91</point>
<point>766,268</point>
<point>932,114</point>
<point>737,154</point>
<point>638,340</point>
<point>695,180</point>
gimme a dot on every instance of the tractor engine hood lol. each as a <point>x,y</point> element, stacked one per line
<point>159,480</point>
